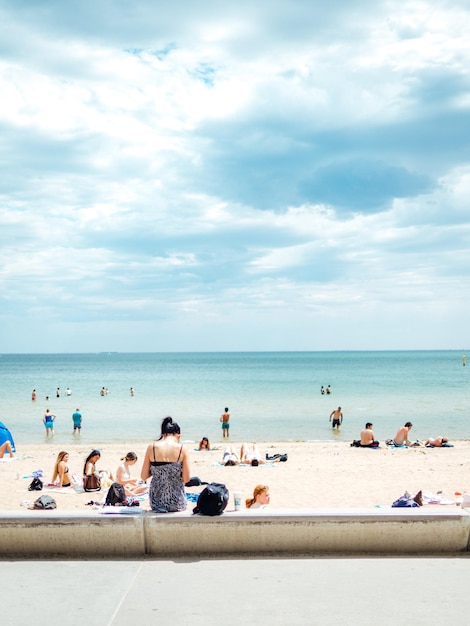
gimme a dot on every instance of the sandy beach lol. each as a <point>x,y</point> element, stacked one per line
<point>316,475</point>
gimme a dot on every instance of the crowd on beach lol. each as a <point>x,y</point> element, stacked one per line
<point>165,467</point>
<point>164,471</point>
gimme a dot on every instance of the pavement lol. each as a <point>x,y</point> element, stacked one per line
<point>271,591</point>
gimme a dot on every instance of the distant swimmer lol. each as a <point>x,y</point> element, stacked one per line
<point>322,390</point>
<point>225,418</point>
<point>464,360</point>
<point>132,391</point>
<point>33,395</point>
<point>337,416</point>
<point>68,392</point>
<point>328,390</point>
<point>57,392</point>
<point>103,391</point>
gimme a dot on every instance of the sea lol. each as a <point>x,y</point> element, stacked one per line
<point>271,396</point>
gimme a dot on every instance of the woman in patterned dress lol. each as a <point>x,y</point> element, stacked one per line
<point>167,462</point>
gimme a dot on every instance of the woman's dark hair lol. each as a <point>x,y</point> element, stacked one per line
<point>90,456</point>
<point>130,456</point>
<point>169,427</point>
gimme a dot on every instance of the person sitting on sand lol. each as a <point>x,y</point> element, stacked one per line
<point>60,475</point>
<point>123,476</point>
<point>89,468</point>
<point>204,444</point>
<point>401,438</point>
<point>6,447</point>
<point>436,442</point>
<point>260,498</point>
<point>230,457</point>
<point>367,437</point>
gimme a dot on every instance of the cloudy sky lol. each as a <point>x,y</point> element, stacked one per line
<point>249,175</point>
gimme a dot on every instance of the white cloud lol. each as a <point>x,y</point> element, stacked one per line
<point>234,177</point>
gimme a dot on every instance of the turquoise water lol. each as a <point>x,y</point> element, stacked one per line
<point>272,396</point>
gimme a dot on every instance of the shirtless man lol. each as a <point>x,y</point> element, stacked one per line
<point>367,437</point>
<point>401,438</point>
<point>225,418</point>
<point>337,416</point>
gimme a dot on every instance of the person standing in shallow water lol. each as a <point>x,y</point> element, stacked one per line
<point>77,422</point>
<point>337,416</point>
<point>48,420</point>
<point>225,419</point>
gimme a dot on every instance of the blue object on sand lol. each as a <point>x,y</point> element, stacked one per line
<point>5,435</point>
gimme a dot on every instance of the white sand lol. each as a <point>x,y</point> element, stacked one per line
<point>316,475</point>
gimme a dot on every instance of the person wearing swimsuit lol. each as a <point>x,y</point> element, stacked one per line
<point>123,476</point>
<point>167,462</point>
<point>61,471</point>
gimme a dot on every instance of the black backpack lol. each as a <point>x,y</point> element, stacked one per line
<point>212,500</point>
<point>36,485</point>
<point>115,495</point>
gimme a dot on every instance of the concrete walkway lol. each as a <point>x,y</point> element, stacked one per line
<point>310,591</point>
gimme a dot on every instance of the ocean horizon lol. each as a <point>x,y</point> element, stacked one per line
<point>272,396</point>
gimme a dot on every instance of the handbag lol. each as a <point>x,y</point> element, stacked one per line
<point>36,484</point>
<point>92,483</point>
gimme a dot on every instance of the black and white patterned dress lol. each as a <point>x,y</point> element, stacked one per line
<point>166,493</point>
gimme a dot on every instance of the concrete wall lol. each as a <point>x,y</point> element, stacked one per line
<point>438,530</point>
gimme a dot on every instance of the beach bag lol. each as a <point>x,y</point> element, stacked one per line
<point>408,501</point>
<point>44,502</point>
<point>35,485</point>
<point>212,500</point>
<point>115,495</point>
<point>92,483</point>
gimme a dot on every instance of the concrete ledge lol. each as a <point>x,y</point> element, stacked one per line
<point>50,533</point>
<point>439,530</point>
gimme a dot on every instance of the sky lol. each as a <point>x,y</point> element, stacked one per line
<point>224,176</point>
